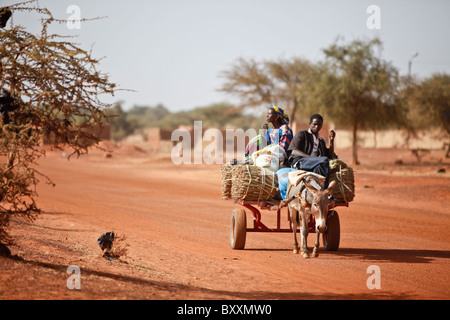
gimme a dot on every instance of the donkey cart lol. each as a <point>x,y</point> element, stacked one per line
<point>257,189</point>
<point>239,229</point>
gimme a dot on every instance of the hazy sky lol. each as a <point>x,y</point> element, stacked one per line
<point>172,51</point>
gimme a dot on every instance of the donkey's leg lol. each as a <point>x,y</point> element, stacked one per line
<point>294,220</point>
<point>304,230</point>
<point>315,252</point>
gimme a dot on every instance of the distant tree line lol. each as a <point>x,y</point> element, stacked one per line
<point>353,86</point>
<point>217,115</point>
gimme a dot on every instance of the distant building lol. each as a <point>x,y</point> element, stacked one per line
<point>103,133</point>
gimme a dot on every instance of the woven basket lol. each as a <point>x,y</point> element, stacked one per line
<point>344,175</point>
<point>253,183</point>
<point>226,181</point>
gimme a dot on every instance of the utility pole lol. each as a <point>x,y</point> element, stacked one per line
<point>415,54</point>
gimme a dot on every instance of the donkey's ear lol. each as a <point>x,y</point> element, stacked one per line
<point>310,187</point>
<point>331,187</point>
<point>312,184</point>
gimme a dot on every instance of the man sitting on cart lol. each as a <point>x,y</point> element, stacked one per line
<point>308,150</point>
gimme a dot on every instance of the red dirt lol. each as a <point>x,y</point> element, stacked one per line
<point>177,229</point>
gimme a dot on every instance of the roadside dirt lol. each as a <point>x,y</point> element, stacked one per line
<point>177,231</point>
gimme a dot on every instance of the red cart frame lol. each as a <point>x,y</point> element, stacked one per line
<point>238,227</point>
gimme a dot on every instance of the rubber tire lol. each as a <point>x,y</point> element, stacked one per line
<point>332,236</point>
<point>238,229</point>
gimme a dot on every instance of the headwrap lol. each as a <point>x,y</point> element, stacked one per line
<point>281,115</point>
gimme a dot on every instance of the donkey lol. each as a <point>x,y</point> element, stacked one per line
<point>308,198</point>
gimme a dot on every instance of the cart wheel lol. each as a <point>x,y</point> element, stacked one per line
<point>332,236</point>
<point>238,229</point>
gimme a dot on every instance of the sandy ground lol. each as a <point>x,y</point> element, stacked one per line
<point>177,231</point>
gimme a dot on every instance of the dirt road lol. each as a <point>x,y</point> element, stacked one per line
<point>177,231</point>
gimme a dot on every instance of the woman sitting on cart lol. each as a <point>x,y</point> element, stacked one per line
<point>280,133</point>
<point>309,151</point>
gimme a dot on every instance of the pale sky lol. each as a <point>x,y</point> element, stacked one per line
<point>172,51</point>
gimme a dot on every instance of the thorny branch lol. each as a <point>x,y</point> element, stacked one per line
<point>49,89</point>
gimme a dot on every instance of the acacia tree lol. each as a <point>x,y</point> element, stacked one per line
<point>357,88</point>
<point>429,104</point>
<point>50,89</point>
<point>279,82</point>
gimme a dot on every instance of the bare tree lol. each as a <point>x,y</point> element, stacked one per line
<point>50,89</point>
<point>279,82</point>
<point>291,78</point>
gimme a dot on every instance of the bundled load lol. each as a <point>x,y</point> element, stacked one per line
<point>257,180</point>
<point>253,183</point>
<point>345,189</point>
<point>226,181</point>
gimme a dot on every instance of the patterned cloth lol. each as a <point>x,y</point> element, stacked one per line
<point>282,136</point>
<point>281,115</point>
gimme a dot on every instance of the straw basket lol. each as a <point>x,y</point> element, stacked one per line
<point>253,183</point>
<point>226,181</point>
<point>345,190</point>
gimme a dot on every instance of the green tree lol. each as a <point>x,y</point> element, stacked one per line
<point>357,88</point>
<point>120,127</point>
<point>221,115</point>
<point>140,117</point>
<point>215,115</point>
<point>429,104</point>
